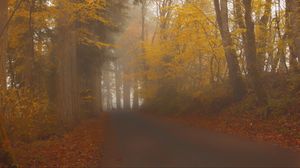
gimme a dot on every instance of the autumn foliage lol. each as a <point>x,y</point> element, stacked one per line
<point>64,61</point>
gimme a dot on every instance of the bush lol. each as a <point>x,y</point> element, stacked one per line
<point>213,99</point>
<point>27,116</point>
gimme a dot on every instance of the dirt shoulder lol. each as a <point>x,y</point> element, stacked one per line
<point>82,147</point>
<point>284,131</point>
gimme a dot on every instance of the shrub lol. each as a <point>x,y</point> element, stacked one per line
<point>27,116</point>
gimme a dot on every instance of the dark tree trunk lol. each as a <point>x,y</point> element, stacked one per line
<point>118,85</point>
<point>235,76</point>
<point>6,156</point>
<point>251,56</point>
<point>135,104</point>
<point>3,42</point>
<point>126,95</point>
<point>67,73</point>
<point>293,32</point>
<point>29,49</point>
<point>97,90</point>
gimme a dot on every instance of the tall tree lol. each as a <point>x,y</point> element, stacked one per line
<point>3,42</point>
<point>126,94</point>
<point>67,90</point>
<point>235,76</point>
<point>108,85</point>
<point>263,37</point>
<point>29,47</point>
<point>293,28</point>
<point>118,84</point>
<point>143,4</point>
<point>282,40</point>
<point>5,152</point>
<point>251,53</point>
<point>135,101</point>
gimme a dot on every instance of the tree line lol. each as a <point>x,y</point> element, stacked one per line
<point>178,50</point>
<point>51,53</point>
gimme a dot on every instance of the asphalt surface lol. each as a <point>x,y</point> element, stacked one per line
<point>134,140</point>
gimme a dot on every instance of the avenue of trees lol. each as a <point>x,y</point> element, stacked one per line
<point>64,60</point>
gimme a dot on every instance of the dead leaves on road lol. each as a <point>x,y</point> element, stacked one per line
<point>283,132</point>
<point>82,147</point>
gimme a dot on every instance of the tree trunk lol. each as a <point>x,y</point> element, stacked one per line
<point>6,156</point>
<point>293,31</point>
<point>67,75</point>
<point>108,93</point>
<point>263,37</point>
<point>118,85</point>
<point>126,95</point>
<point>235,76</point>
<point>143,6</point>
<point>135,104</point>
<point>3,43</point>
<point>29,49</point>
<point>282,44</point>
<point>250,53</point>
<point>98,91</point>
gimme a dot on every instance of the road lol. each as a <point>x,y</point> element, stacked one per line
<point>134,140</point>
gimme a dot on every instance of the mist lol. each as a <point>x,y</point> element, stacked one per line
<point>149,83</point>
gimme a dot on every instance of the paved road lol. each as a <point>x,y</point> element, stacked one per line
<point>138,141</point>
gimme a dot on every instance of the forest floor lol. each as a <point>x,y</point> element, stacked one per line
<point>81,147</point>
<point>281,130</point>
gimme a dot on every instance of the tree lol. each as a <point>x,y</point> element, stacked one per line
<point>143,5</point>
<point>66,64</point>
<point>5,152</point>
<point>126,93</point>
<point>3,42</point>
<point>235,75</point>
<point>262,39</point>
<point>293,32</point>
<point>118,83</point>
<point>29,51</point>
<point>251,54</point>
